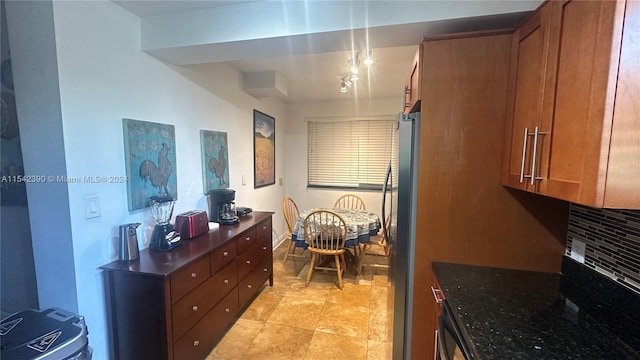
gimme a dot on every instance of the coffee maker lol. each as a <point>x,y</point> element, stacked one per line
<point>164,236</point>
<point>222,209</point>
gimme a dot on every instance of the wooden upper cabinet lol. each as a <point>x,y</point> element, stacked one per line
<point>582,109</point>
<point>528,72</point>
<point>412,90</point>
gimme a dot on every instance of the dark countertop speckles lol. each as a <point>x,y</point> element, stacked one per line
<point>511,314</point>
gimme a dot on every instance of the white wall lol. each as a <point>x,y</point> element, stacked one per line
<point>104,77</point>
<point>296,148</point>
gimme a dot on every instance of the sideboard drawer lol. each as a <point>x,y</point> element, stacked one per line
<point>252,282</point>
<point>246,239</point>
<point>187,278</point>
<point>263,230</point>
<point>191,308</point>
<point>221,257</point>
<point>197,342</point>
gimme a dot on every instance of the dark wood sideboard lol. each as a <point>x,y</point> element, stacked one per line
<point>175,304</point>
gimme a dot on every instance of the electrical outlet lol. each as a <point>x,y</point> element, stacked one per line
<point>280,182</point>
<point>578,249</point>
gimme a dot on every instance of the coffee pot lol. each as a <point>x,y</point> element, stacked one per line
<point>222,209</point>
<point>128,249</point>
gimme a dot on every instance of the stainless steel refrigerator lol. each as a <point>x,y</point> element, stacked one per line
<point>399,201</point>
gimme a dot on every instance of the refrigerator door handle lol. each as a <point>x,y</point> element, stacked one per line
<point>385,231</point>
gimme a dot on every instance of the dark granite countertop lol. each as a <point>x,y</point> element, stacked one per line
<point>512,314</point>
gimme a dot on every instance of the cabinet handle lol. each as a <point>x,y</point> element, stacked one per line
<point>435,292</point>
<point>194,308</point>
<point>264,228</point>
<point>264,248</point>
<point>226,281</point>
<point>524,152</point>
<point>247,238</point>
<point>196,343</point>
<point>249,286</point>
<point>265,270</point>
<point>248,261</point>
<point>533,155</point>
<point>226,310</point>
<point>536,134</point>
<point>193,275</point>
<point>226,253</point>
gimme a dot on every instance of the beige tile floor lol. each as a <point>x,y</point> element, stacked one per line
<point>291,321</point>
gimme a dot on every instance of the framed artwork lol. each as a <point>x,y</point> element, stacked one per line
<point>264,149</point>
<point>150,156</point>
<point>215,160</point>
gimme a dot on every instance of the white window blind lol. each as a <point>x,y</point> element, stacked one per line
<point>353,154</point>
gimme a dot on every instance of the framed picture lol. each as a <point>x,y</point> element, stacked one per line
<point>150,156</point>
<point>215,160</point>
<point>264,149</point>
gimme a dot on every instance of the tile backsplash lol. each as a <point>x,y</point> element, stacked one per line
<point>612,239</point>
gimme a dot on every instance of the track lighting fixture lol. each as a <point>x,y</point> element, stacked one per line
<point>347,81</point>
<point>368,60</point>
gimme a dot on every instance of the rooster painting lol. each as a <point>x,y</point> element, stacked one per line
<point>150,155</point>
<point>215,162</point>
<point>219,165</point>
<point>157,174</point>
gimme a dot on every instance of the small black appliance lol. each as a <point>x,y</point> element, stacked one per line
<point>222,209</point>
<point>164,236</point>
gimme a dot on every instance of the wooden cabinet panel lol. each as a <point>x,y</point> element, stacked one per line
<point>587,147</point>
<point>252,256</point>
<point>187,278</point>
<point>246,239</point>
<point>222,257</point>
<point>527,74</point>
<point>412,88</point>
<point>196,343</point>
<point>190,309</point>
<point>252,282</point>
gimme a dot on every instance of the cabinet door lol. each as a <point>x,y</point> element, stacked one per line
<point>526,99</point>
<point>585,46</point>
<point>412,85</point>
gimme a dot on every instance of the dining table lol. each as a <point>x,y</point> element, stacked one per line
<point>361,225</point>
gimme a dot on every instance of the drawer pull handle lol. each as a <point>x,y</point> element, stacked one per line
<point>248,261</point>
<point>249,286</point>
<point>193,275</point>
<point>265,270</point>
<point>196,343</point>
<point>264,248</point>
<point>195,308</point>
<point>225,253</point>
<point>264,228</point>
<point>247,238</point>
<point>226,281</point>
<point>226,310</point>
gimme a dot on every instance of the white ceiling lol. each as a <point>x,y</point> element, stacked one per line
<point>312,63</point>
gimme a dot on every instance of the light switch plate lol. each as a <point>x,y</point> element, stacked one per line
<point>578,249</point>
<point>91,206</point>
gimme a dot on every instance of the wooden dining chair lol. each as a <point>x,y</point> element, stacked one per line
<point>380,241</point>
<point>291,212</point>
<point>350,201</point>
<point>325,232</point>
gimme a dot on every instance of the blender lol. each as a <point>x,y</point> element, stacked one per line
<point>164,236</point>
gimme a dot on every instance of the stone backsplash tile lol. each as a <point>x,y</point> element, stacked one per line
<point>612,239</point>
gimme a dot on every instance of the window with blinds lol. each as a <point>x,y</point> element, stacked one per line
<point>350,154</point>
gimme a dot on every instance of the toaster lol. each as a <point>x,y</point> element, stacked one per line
<point>192,223</point>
